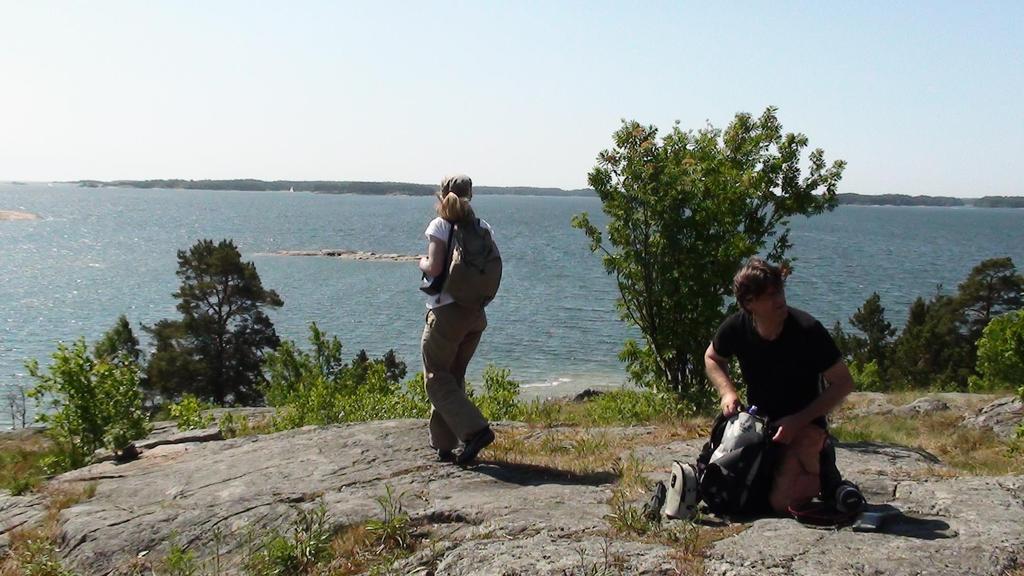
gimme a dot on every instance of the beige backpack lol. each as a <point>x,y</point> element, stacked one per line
<point>474,272</point>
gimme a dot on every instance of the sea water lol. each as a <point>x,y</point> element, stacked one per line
<point>96,253</point>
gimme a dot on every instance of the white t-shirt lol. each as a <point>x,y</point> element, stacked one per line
<point>439,228</point>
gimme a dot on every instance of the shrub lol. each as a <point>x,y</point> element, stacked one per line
<point>500,397</point>
<point>625,406</point>
<point>867,377</point>
<point>87,404</point>
<point>232,425</point>
<point>21,468</point>
<point>296,552</point>
<point>319,387</point>
<point>180,561</point>
<point>188,413</point>
<point>1001,355</point>
<point>36,557</point>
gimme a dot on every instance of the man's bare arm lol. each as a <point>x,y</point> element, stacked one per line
<point>840,385</point>
<point>717,369</point>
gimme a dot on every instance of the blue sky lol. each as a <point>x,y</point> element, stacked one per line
<point>918,97</point>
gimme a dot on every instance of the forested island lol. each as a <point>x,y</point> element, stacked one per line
<point>907,200</point>
<point>999,202</point>
<point>327,187</point>
<point>410,189</point>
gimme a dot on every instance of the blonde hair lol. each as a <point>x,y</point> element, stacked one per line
<point>453,208</point>
<point>453,198</point>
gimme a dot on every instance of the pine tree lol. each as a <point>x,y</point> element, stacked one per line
<point>992,288</point>
<point>874,345</point>
<point>119,343</point>
<point>215,350</point>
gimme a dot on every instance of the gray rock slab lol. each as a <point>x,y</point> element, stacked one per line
<point>926,405</point>
<point>189,491</point>
<point>497,518</point>
<point>877,403</point>
<point>1002,416</point>
<point>958,526</point>
<point>17,512</point>
<point>545,555</point>
<point>869,403</point>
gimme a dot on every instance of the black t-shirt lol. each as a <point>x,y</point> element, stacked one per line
<point>782,375</point>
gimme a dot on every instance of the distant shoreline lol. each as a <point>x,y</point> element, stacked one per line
<point>412,189</point>
<point>849,199</point>
<point>325,187</point>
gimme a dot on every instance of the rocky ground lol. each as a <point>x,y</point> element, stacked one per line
<point>505,519</point>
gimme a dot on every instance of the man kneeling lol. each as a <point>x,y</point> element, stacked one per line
<point>783,354</point>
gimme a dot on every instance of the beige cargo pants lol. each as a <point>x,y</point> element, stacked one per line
<point>797,474</point>
<point>449,340</point>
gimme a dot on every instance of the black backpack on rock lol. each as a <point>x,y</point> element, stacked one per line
<point>737,478</point>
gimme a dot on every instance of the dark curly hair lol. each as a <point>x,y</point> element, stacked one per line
<point>755,278</point>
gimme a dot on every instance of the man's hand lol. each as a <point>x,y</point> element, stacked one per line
<point>730,404</point>
<point>789,428</point>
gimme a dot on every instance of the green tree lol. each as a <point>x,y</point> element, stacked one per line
<point>215,351</point>
<point>932,352</point>
<point>1001,355</point>
<point>119,343</point>
<point>939,345</point>
<point>87,403</point>
<point>684,213</point>
<point>992,288</point>
<point>845,342</point>
<point>874,345</point>
<point>394,369</point>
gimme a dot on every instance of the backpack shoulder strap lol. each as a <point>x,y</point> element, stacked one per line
<point>449,247</point>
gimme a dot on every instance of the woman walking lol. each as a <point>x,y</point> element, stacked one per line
<point>451,335</point>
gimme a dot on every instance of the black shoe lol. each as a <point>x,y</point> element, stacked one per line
<point>474,445</point>
<point>848,498</point>
<point>445,456</point>
<point>652,510</point>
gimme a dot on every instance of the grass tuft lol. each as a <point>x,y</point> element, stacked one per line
<point>393,531</point>
<point>970,451</point>
<point>297,552</point>
<point>22,463</point>
<point>33,551</point>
